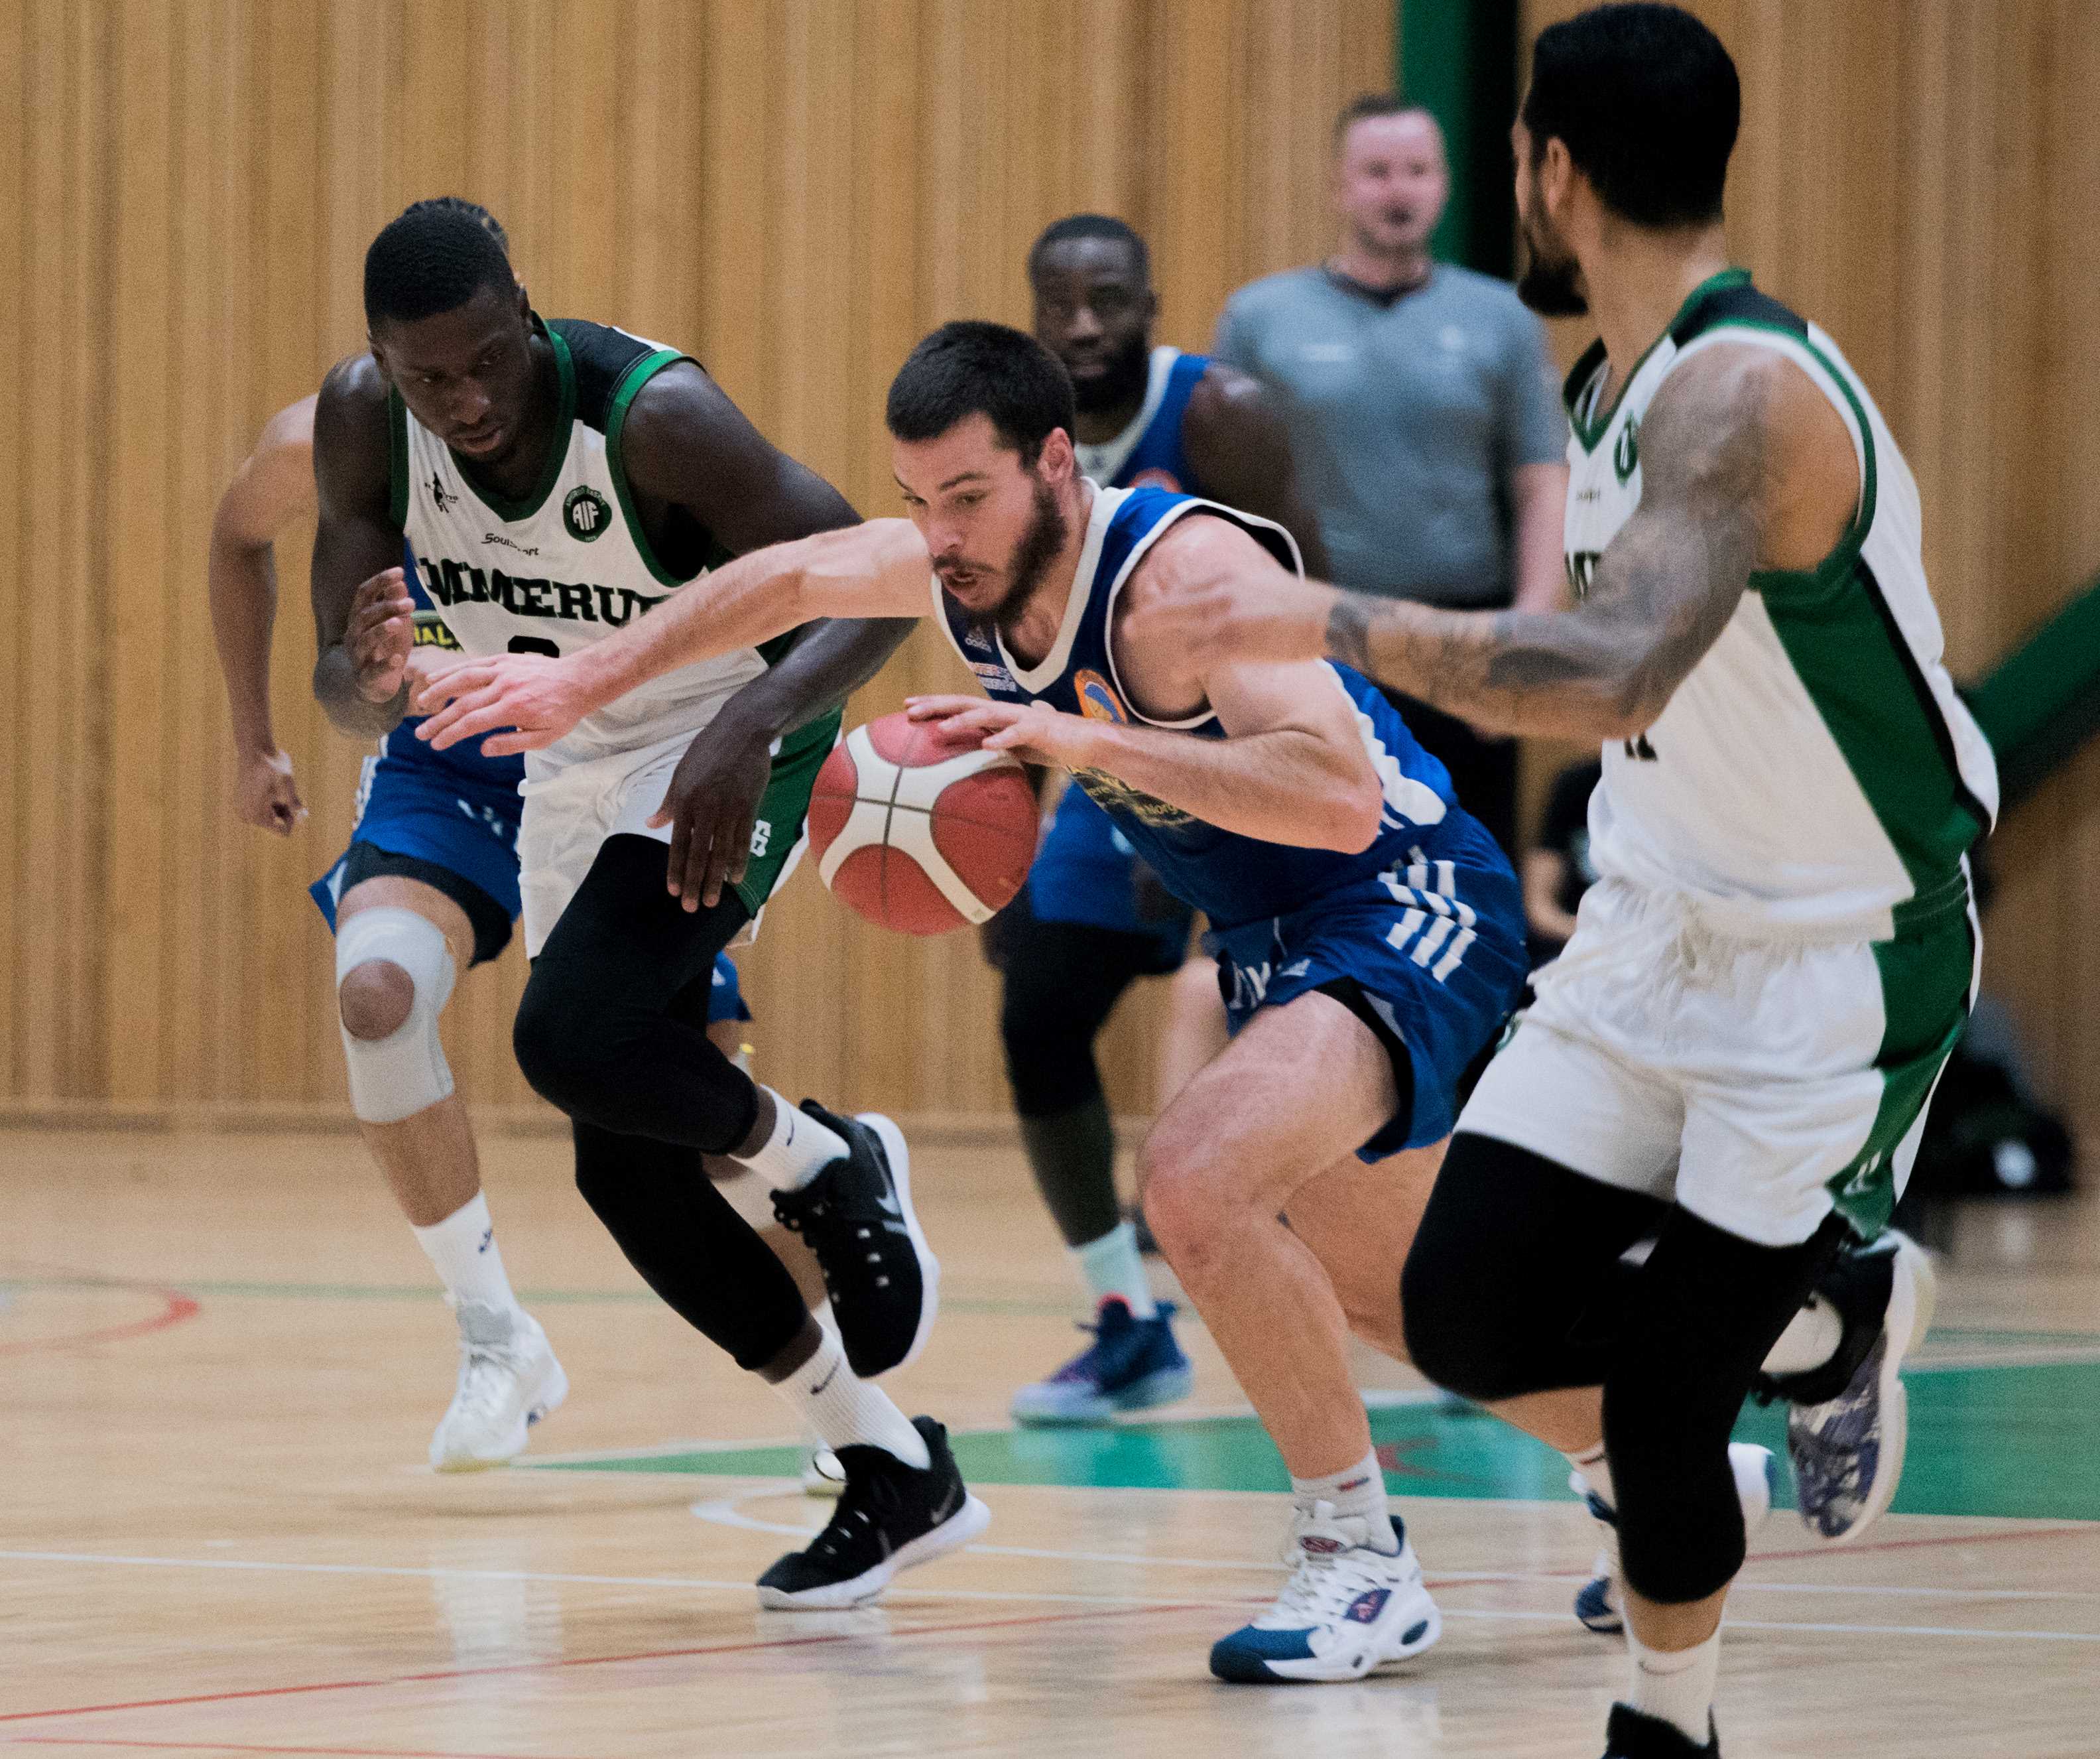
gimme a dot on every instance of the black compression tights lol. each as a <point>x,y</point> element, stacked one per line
<point>1062,980</point>
<point>1514,1286</point>
<point>613,1029</point>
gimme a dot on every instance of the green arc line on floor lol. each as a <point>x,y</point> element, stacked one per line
<point>2015,1441</point>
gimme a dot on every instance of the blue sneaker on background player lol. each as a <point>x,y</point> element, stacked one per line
<point>1132,1364</point>
<point>1347,1608</point>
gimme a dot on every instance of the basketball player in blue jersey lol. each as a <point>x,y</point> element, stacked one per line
<point>1369,934</point>
<point>435,840</point>
<point>1094,918</point>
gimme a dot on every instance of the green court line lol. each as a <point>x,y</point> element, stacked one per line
<point>2019,1441</point>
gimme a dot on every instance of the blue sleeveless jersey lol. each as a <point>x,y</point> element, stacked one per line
<point>1158,451</point>
<point>1232,878</point>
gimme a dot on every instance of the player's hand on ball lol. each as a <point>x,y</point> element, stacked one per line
<point>1032,731</point>
<point>380,636</point>
<point>265,795</point>
<point>533,701</point>
<point>1258,617</point>
<point>712,806</point>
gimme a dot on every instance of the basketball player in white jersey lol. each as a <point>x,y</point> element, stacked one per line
<point>440,864</point>
<point>556,482</point>
<point>1734,1053</point>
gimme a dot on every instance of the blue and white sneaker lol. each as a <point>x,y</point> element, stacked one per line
<point>1597,1600</point>
<point>1346,1609</point>
<point>1131,1365</point>
<point>1846,1443</point>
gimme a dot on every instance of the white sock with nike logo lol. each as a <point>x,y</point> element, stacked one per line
<point>797,1150</point>
<point>469,1261</point>
<point>847,1411</point>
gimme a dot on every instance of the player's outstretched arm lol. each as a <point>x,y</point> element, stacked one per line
<point>1742,457</point>
<point>273,487</point>
<point>364,618</point>
<point>1293,769</point>
<point>1236,439</point>
<point>879,570</point>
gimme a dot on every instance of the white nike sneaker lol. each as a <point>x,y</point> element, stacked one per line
<point>1597,1600</point>
<point>1346,1609</point>
<point>508,1381</point>
<point>822,1475</point>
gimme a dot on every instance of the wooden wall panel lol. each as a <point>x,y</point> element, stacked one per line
<point>793,189</point>
<point>1921,176</point>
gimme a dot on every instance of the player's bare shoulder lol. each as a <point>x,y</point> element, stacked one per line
<point>1196,550</point>
<point>352,445</point>
<point>1742,429</point>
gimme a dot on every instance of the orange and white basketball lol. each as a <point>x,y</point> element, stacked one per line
<point>919,831</point>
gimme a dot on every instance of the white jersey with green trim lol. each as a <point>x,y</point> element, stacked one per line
<point>570,564</point>
<point>1815,773</point>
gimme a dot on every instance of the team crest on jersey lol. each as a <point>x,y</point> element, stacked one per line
<point>1097,701</point>
<point>1156,477</point>
<point>585,514</point>
<point>1626,455</point>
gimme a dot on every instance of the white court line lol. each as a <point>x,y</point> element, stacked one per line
<point>688,1584</point>
<point>723,1511</point>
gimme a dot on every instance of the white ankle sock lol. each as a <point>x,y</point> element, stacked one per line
<point>1596,1472</point>
<point>1811,1339</point>
<point>463,1248</point>
<point>845,1411</point>
<point>1357,1490</point>
<point>1113,1266</point>
<point>797,1150</point>
<point>1676,1685</point>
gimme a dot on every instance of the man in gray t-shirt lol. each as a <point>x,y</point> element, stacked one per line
<point>1424,413</point>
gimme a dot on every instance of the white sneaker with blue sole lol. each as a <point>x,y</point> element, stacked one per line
<point>1597,1600</point>
<point>1347,1608</point>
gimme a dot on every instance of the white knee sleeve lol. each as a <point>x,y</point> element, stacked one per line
<point>405,1072</point>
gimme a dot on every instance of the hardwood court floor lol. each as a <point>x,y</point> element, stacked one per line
<point>220,1358</point>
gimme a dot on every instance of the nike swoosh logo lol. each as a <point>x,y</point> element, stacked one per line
<point>819,1388</point>
<point>888,1203</point>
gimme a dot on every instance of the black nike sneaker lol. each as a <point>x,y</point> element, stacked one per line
<point>1633,1735</point>
<point>890,1517</point>
<point>857,1216</point>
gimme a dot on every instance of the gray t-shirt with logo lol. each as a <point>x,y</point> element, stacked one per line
<point>1406,417</point>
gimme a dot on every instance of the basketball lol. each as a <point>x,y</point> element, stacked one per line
<point>921,831</point>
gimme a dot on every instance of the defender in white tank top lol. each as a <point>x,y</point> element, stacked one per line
<point>1816,771</point>
<point>569,564</point>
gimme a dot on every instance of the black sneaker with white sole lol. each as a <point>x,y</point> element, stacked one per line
<point>857,1216</point>
<point>1632,1735</point>
<point>890,1517</point>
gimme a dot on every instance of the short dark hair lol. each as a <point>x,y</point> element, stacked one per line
<point>1647,102</point>
<point>969,368</point>
<point>433,257</point>
<point>1091,226</point>
<point>1374,104</point>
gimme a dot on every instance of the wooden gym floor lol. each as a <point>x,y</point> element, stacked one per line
<point>221,1358</point>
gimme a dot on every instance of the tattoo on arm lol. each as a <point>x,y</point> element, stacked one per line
<point>1663,588</point>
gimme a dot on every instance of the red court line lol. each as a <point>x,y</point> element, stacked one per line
<point>175,1307</point>
<point>237,1746</point>
<point>591,1661</point>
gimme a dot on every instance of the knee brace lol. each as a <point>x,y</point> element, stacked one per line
<point>405,1072</point>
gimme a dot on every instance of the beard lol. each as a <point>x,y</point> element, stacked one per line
<point>1123,382</point>
<point>1041,539</point>
<point>1551,284</point>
